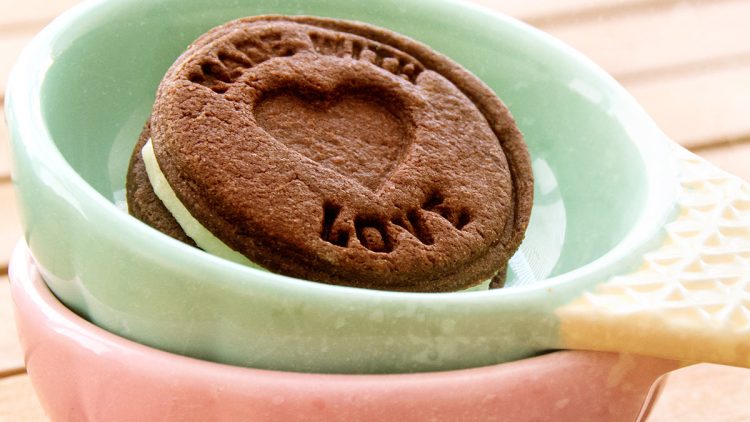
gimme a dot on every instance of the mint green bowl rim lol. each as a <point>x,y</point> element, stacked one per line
<point>24,112</point>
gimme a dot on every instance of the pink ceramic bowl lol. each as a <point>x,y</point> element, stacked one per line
<point>83,373</point>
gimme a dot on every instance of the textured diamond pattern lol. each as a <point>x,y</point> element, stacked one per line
<point>690,300</point>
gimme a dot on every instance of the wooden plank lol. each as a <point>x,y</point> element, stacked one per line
<point>698,109</point>
<point>11,356</point>
<point>31,12</point>
<point>541,12</point>
<point>669,32</point>
<point>4,149</point>
<point>39,11</point>
<point>18,402</point>
<point>696,94</point>
<point>704,393</point>
<point>11,45</point>
<point>675,36</point>
<point>10,226</point>
<point>693,108</point>
<point>733,157</point>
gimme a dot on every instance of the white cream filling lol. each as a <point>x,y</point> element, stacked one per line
<point>192,227</point>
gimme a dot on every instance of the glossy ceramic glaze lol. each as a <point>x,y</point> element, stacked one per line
<point>82,372</point>
<point>83,89</point>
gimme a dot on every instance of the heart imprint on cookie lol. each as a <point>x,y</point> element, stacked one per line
<point>352,132</point>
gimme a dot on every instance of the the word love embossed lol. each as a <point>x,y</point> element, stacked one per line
<point>373,233</point>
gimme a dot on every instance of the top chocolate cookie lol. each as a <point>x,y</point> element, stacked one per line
<point>339,152</point>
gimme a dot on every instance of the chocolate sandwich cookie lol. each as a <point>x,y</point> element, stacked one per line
<point>334,151</point>
<point>143,202</point>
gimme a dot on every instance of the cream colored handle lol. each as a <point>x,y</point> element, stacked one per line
<point>690,300</point>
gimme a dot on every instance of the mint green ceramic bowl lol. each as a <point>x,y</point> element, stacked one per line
<point>84,87</point>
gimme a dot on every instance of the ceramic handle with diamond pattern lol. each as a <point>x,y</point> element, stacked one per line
<point>690,299</point>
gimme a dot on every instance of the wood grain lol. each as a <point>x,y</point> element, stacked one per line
<point>10,226</point>
<point>685,32</point>
<point>698,109</point>
<point>30,13</point>
<point>541,12</point>
<point>4,149</point>
<point>688,62</point>
<point>11,46</point>
<point>18,401</point>
<point>11,356</point>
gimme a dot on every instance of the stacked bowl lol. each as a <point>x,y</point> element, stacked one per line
<point>121,322</point>
<point>83,373</point>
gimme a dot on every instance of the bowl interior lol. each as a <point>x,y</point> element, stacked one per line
<point>591,180</point>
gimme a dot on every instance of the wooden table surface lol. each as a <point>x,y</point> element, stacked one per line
<point>686,62</point>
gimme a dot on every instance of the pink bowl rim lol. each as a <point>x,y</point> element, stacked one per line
<point>27,285</point>
<point>532,388</point>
